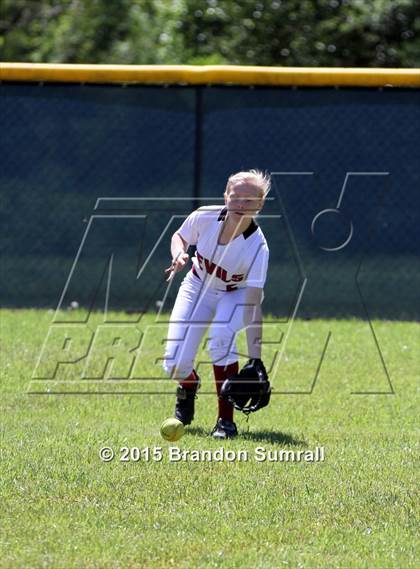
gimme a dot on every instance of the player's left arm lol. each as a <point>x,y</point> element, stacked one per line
<point>253,321</point>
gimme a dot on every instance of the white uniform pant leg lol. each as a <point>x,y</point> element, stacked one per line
<point>228,321</point>
<point>191,315</point>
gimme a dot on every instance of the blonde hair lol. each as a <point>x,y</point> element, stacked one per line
<point>258,178</point>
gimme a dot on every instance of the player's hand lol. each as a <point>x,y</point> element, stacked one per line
<point>177,265</point>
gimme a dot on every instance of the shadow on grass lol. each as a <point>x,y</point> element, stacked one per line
<point>274,437</point>
<point>197,432</point>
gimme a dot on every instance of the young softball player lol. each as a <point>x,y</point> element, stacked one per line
<point>224,288</point>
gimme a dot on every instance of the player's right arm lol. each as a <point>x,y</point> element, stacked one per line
<point>185,236</point>
<point>179,253</point>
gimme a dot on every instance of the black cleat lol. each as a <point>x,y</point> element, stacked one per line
<point>224,429</point>
<point>185,400</point>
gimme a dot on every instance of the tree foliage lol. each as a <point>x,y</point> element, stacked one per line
<point>379,33</point>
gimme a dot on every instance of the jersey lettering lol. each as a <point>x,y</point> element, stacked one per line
<point>221,273</point>
<point>200,260</point>
<point>237,278</point>
<point>209,267</point>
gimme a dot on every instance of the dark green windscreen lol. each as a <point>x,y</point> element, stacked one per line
<point>95,179</point>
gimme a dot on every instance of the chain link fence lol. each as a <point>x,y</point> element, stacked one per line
<point>95,179</point>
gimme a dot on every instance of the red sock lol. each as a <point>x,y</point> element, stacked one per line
<point>220,374</point>
<point>189,382</point>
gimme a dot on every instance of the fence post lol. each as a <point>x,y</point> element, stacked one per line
<point>198,145</point>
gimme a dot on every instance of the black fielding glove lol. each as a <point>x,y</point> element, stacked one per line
<point>258,368</point>
<point>249,390</point>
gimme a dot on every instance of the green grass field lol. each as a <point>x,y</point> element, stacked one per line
<point>62,507</point>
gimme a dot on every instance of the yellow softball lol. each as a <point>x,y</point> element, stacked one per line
<point>172,429</point>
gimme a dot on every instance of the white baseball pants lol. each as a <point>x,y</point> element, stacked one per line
<point>197,306</point>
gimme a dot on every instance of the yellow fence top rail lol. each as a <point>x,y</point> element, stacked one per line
<point>210,74</point>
